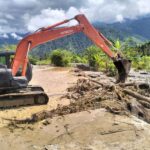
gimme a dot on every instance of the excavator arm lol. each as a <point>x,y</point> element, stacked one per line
<point>53,32</point>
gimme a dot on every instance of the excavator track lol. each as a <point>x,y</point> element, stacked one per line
<point>31,95</point>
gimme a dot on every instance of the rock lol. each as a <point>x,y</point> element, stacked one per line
<point>144,86</point>
<point>81,74</point>
<point>143,72</point>
<point>84,67</point>
<point>50,147</point>
<point>94,75</point>
<point>77,70</point>
<point>45,122</point>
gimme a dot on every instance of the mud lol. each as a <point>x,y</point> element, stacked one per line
<point>89,94</point>
<point>54,83</point>
<point>87,110</point>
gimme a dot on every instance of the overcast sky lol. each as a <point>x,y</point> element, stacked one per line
<point>28,15</point>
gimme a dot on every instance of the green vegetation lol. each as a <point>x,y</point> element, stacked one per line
<point>142,63</point>
<point>94,56</point>
<point>33,60</point>
<point>99,61</point>
<point>43,62</point>
<point>8,47</point>
<point>76,58</point>
<point>39,61</point>
<point>139,54</point>
<point>61,57</point>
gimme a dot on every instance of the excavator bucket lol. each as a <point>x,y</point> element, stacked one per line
<point>123,66</point>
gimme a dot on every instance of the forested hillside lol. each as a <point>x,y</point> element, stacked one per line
<point>144,49</point>
<point>137,30</point>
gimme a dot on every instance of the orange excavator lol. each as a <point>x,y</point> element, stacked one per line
<point>14,89</point>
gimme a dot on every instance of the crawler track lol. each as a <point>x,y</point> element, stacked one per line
<point>32,95</point>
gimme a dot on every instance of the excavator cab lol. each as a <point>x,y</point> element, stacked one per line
<point>8,82</point>
<point>14,90</point>
<point>6,58</point>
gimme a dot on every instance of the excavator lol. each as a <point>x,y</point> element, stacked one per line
<point>16,75</point>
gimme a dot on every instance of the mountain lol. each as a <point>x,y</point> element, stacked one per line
<point>138,29</point>
<point>10,38</point>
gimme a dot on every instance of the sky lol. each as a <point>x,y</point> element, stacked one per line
<point>21,16</point>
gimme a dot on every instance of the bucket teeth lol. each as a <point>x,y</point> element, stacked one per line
<point>123,66</point>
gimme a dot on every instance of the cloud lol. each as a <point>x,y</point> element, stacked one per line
<point>24,2</point>
<point>46,17</point>
<point>9,16</point>
<point>96,10</point>
<point>49,16</point>
<point>4,36</point>
<point>28,15</point>
<point>15,36</point>
<point>144,6</point>
<point>3,21</point>
<point>119,18</point>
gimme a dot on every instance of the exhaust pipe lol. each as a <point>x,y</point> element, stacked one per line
<point>123,66</point>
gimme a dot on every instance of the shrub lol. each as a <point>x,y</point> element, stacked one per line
<point>76,58</point>
<point>142,63</point>
<point>99,61</point>
<point>92,54</point>
<point>8,47</point>
<point>61,57</point>
<point>33,60</point>
<point>43,62</point>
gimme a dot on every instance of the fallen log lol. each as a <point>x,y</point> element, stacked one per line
<point>127,84</point>
<point>136,95</point>
<point>145,104</point>
<point>144,86</point>
<point>136,108</point>
<point>103,84</point>
<point>95,81</point>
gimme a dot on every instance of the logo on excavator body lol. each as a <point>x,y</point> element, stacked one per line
<point>67,32</point>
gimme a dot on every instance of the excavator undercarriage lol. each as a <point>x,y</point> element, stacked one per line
<point>15,91</point>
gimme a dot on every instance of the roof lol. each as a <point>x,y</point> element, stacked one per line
<point>6,53</point>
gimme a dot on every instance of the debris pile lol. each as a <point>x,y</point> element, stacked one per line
<point>119,99</point>
<point>89,94</point>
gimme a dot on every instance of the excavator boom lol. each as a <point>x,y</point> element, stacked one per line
<point>54,32</point>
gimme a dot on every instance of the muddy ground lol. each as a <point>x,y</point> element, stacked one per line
<point>88,130</point>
